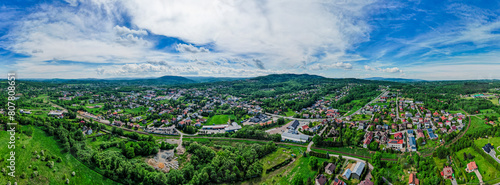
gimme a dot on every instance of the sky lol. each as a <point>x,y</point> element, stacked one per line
<point>417,39</point>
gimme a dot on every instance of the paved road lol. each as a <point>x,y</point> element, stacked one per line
<point>479,176</point>
<point>384,93</point>
<point>311,143</point>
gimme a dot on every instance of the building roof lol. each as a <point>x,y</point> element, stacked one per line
<point>347,173</point>
<point>330,167</point>
<point>358,169</point>
<point>233,126</point>
<point>447,171</point>
<point>396,141</point>
<point>338,182</point>
<point>472,165</point>
<point>321,179</point>
<point>295,137</point>
<point>294,125</point>
<point>413,179</point>
<point>366,182</point>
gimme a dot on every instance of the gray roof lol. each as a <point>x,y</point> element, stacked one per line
<point>294,125</point>
<point>358,169</point>
<point>347,173</point>
<point>295,136</point>
<point>234,126</point>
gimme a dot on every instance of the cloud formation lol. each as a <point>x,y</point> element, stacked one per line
<point>188,48</point>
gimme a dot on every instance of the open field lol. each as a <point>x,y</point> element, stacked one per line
<point>477,124</point>
<point>25,157</point>
<point>485,168</point>
<point>219,119</point>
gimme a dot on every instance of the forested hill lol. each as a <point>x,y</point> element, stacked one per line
<point>274,78</point>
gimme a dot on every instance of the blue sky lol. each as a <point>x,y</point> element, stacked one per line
<point>432,40</point>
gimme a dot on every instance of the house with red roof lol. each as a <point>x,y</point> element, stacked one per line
<point>471,167</point>
<point>413,179</point>
<point>395,143</point>
<point>305,127</point>
<point>398,135</point>
<point>447,172</point>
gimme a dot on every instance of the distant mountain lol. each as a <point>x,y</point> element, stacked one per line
<point>201,79</point>
<point>164,80</point>
<point>273,78</point>
<point>394,79</point>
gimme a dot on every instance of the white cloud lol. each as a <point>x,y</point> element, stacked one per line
<point>369,68</point>
<point>337,65</point>
<point>122,30</point>
<point>188,48</point>
<point>392,70</point>
<point>287,31</point>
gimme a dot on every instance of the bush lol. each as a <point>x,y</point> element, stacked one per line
<point>35,174</point>
<point>50,164</point>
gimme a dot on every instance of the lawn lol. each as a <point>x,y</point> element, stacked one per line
<point>359,117</point>
<point>301,166</point>
<point>275,158</point>
<point>25,157</point>
<point>487,111</point>
<point>290,113</point>
<point>495,141</point>
<point>485,168</point>
<point>137,110</point>
<point>494,100</point>
<point>477,124</point>
<point>219,119</point>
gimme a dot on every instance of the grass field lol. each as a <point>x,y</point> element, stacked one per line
<point>290,113</point>
<point>494,101</point>
<point>301,166</point>
<point>360,151</point>
<point>487,111</point>
<point>219,119</point>
<point>275,158</point>
<point>25,157</point>
<point>477,124</point>
<point>495,141</point>
<point>485,168</point>
<point>359,117</point>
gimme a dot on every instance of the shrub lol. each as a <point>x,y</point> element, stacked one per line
<point>35,174</point>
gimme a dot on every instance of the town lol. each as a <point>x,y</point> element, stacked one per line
<point>337,131</point>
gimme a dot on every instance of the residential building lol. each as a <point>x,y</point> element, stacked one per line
<point>471,167</point>
<point>413,179</point>
<point>330,168</point>
<point>366,182</point>
<point>338,182</point>
<point>320,179</point>
<point>395,143</point>
<point>447,172</point>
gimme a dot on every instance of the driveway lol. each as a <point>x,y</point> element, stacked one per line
<point>479,176</point>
